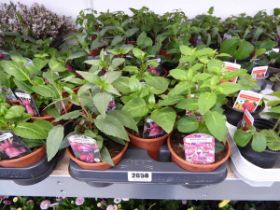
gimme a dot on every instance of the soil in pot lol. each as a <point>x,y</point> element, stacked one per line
<point>152,145</point>
<point>176,147</point>
<point>116,151</point>
<point>234,116</point>
<point>266,159</point>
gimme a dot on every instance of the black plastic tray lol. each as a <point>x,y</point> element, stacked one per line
<point>32,174</point>
<point>162,172</point>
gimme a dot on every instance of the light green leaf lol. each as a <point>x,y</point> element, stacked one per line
<point>242,138</point>
<point>47,91</point>
<point>180,88</point>
<point>54,140</point>
<point>170,100</point>
<point>106,157</point>
<point>101,102</point>
<point>206,101</point>
<point>165,118</point>
<point>136,107</point>
<point>14,112</point>
<point>159,84</point>
<point>187,124</point>
<point>216,124</point>
<point>110,77</point>
<point>69,116</point>
<point>143,41</point>
<point>179,74</point>
<point>188,104</point>
<point>122,85</point>
<point>125,119</point>
<point>259,142</point>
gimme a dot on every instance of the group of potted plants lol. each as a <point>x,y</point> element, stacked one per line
<point>119,79</point>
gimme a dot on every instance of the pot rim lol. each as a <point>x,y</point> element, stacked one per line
<point>202,166</point>
<point>130,134</point>
<point>80,162</point>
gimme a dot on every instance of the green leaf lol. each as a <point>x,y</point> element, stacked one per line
<point>101,102</point>
<point>13,69</point>
<point>110,77</point>
<point>117,62</point>
<point>242,138</point>
<point>259,142</point>
<point>244,50</point>
<point>206,101</point>
<point>131,32</point>
<point>33,130</point>
<point>47,91</point>
<point>273,140</point>
<point>88,76</point>
<point>159,84</point>
<point>56,65</point>
<point>165,118</point>
<point>187,124</point>
<point>111,126</point>
<point>180,88</point>
<point>69,116</point>
<point>138,53</point>
<point>131,69</point>
<point>143,41</point>
<point>170,100</point>
<point>106,157</point>
<point>188,104</point>
<point>116,40</point>
<point>228,88</point>
<point>229,46</point>
<point>216,124</point>
<point>76,55</point>
<point>14,112</point>
<point>185,50</point>
<point>179,74</point>
<point>136,107</point>
<point>54,140</point>
<point>122,85</point>
<point>125,119</point>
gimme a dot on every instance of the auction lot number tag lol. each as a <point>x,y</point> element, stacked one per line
<point>139,176</point>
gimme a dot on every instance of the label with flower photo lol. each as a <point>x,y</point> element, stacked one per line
<point>228,66</point>
<point>259,72</point>
<point>151,129</point>
<point>85,148</point>
<point>247,100</point>
<point>247,120</point>
<point>27,101</point>
<point>11,146</point>
<point>199,148</point>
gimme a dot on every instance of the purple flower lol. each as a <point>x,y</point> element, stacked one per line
<point>79,201</point>
<point>45,204</point>
<point>7,202</point>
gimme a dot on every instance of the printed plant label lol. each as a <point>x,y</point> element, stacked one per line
<point>247,100</point>
<point>85,148</point>
<point>199,148</point>
<point>151,129</point>
<point>247,120</point>
<point>259,72</point>
<point>11,146</point>
<point>27,101</point>
<point>228,66</point>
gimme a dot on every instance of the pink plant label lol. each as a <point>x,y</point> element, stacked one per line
<point>247,100</point>
<point>27,101</point>
<point>259,72</point>
<point>11,146</point>
<point>199,148</point>
<point>85,148</point>
<point>151,129</point>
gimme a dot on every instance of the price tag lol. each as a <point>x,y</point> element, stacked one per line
<point>139,176</point>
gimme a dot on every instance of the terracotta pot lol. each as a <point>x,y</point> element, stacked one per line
<point>196,167</point>
<point>25,161</point>
<point>97,166</point>
<point>151,145</point>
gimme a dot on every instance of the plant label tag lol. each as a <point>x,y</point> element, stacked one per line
<point>85,148</point>
<point>199,148</point>
<point>247,120</point>
<point>139,176</point>
<point>259,72</point>
<point>27,101</point>
<point>151,129</point>
<point>228,66</point>
<point>247,100</point>
<point>11,146</point>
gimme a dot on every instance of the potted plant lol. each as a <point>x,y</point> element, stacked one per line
<point>25,143</point>
<point>141,90</point>
<point>44,81</point>
<point>198,93</point>
<point>99,117</point>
